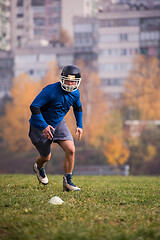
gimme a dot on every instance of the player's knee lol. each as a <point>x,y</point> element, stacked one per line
<point>47,158</point>
<point>71,150</point>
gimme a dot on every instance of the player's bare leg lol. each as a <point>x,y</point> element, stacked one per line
<point>41,161</point>
<point>69,149</point>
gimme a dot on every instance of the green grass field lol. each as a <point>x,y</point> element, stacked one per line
<point>108,207</point>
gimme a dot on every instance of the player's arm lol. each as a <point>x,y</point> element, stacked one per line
<point>78,113</point>
<point>37,119</point>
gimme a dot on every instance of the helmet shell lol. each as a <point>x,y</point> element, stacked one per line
<point>71,73</point>
<point>71,70</point>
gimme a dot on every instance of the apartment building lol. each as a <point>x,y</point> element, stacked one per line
<point>34,20</point>
<point>85,40</point>
<point>5,28</point>
<point>124,32</point>
<point>21,23</point>
<point>35,61</point>
<point>6,73</point>
<point>6,59</point>
<point>74,8</point>
<point>47,19</point>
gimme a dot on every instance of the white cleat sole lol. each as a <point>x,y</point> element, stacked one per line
<point>44,181</point>
<point>67,187</point>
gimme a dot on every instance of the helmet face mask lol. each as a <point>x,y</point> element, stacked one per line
<point>71,75</point>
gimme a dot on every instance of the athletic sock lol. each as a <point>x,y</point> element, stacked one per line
<point>68,175</point>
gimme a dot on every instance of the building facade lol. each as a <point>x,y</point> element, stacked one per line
<point>123,33</point>
<point>138,3</point>
<point>5,27</point>
<point>22,23</point>
<point>47,19</point>
<point>107,42</point>
<point>6,73</point>
<point>33,20</point>
<point>85,40</point>
<point>35,61</point>
<point>74,8</point>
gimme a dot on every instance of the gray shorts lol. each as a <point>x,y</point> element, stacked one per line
<point>43,144</point>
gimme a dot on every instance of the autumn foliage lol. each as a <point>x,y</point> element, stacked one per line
<point>115,151</point>
<point>15,124</point>
<point>114,144</point>
<point>94,105</point>
<point>142,88</point>
<point>141,99</point>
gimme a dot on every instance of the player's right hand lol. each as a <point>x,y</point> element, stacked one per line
<point>79,131</point>
<point>47,132</point>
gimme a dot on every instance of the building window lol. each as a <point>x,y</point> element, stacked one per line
<point>123,37</point>
<point>144,51</point>
<point>20,15</point>
<point>111,67</point>
<point>25,59</point>
<point>149,24</point>
<point>39,21</point>
<point>83,28</point>
<point>150,35</point>
<point>133,37</point>
<point>123,52</point>
<point>20,27</point>
<point>39,32</point>
<point>39,9</point>
<point>112,82</point>
<point>50,2</point>
<point>133,22</point>
<point>31,72</point>
<point>20,3</point>
<point>50,21</point>
<point>115,52</point>
<point>57,20</point>
<point>108,38</point>
<point>57,9</point>
<point>50,10</point>
<point>38,2</point>
<point>118,22</point>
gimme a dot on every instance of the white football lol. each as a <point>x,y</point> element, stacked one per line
<point>56,200</point>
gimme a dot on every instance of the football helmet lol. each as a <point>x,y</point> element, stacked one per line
<point>70,73</point>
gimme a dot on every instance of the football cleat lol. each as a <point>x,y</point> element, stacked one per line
<point>41,175</point>
<point>68,185</point>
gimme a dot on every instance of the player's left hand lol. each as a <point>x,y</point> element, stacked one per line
<point>79,131</point>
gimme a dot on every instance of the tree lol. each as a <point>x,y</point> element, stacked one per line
<point>115,151</point>
<point>15,123</point>
<point>114,144</point>
<point>144,152</point>
<point>142,88</point>
<point>94,105</point>
<point>141,99</point>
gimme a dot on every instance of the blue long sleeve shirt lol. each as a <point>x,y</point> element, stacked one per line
<point>52,104</point>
